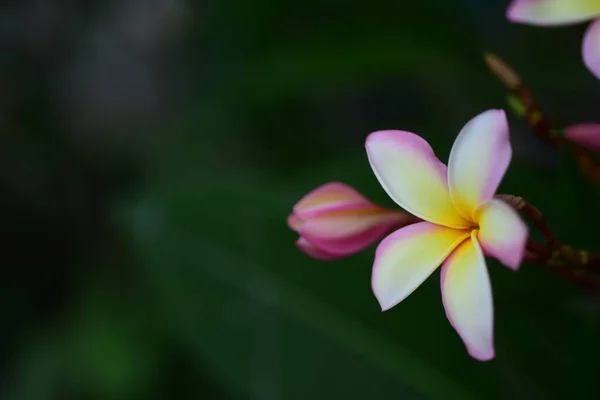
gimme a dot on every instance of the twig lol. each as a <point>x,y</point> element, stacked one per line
<point>542,252</point>
<point>524,105</point>
<point>578,267</point>
<point>533,214</point>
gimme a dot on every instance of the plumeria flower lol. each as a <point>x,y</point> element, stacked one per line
<point>585,134</point>
<point>462,222</point>
<point>563,12</point>
<point>335,221</point>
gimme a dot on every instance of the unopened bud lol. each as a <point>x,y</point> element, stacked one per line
<point>586,134</point>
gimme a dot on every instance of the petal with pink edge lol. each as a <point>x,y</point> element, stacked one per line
<point>467,298</point>
<point>315,252</point>
<point>502,233</point>
<point>478,160</point>
<point>330,197</point>
<point>585,134</point>
<point>552,12</point>
<point>347,232</point>
<point>591,48</point>
<point>294,222</point>
<point>412,176</point>
<point>408,256</point>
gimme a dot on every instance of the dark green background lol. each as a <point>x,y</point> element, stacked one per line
<point>146,256</point>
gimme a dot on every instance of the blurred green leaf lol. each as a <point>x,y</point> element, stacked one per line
<point>110,348</point>
<point>36,373</point>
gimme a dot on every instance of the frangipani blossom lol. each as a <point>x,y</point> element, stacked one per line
<point>563,12</point>
<point>585,134</point>
<point>336,221</point>
<point>462,222</point>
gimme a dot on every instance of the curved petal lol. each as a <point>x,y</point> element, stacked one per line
<point>315,252</point>
<point>294,222</point>
<point>412,176</point>
<point>406,258</point>
<point>347,232</point>
<point>552,12</point>
<point>585,134</point>
<point>502,233</point>
<point>591,48</point>
<point>467,298</point>
<point>333,196</point>
<point>478,160</point>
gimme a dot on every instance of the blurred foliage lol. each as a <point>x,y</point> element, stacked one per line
<point>159,265</point>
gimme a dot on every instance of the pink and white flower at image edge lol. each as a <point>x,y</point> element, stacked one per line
<point>563,12</point>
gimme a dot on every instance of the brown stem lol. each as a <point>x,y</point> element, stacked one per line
<point>542,252</point>
<point>556,248</point>
<point>533,214</point>
<point>594,261</point>
<point>579,267</point>
<point>541,256</point>
<point>538,123</point>
<point>578,277</point>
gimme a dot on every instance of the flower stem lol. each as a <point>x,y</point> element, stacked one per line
<point>523,103</point>
<point>542,252</point>
<point>532,214</point>
<point>579,267</point>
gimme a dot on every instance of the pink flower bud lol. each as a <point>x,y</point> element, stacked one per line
<point>335,221</point>
<point>586,134</point>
